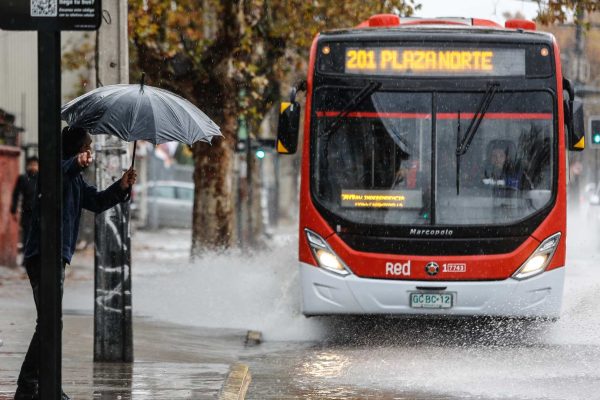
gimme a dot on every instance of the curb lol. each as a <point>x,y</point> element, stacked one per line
<point>236,384</point>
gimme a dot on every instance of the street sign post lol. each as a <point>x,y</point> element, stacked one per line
<point>50,193</point>
<point>49,17</point>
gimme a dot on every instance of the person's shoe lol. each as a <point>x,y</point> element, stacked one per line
<point>32,394</point>
<point>27,393</point>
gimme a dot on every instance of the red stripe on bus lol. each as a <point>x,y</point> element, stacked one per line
<point>546,116</point>
<point>496,115</point>
<point>374,115</point>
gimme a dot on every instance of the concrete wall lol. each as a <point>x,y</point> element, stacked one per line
<point>18,77</point>
<point>18,80</point>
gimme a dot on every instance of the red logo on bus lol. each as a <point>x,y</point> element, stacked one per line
<point>432,268</point>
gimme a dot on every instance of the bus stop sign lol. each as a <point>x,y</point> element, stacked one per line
<point>50,15</point>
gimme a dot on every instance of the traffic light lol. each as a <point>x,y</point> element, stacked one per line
<point>260,154</point>
<point>260,147</point>
<point>595,132</point>
<point>596,137</point>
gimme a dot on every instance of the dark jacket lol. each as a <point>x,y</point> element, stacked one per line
<point>77,194</point>
<point>24,188</point>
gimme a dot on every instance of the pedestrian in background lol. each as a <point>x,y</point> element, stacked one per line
<point>25,189</point>
<point>77,194</point>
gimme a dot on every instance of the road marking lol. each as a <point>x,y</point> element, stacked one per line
<point>236,384</point>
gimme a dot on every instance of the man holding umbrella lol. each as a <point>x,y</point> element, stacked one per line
<point>77,194</point>
<point>131,113</point>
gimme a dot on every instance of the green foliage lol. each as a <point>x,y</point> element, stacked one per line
<point>77,55</point>
<point>230,58</point>
<point>558,10</point>
<point>249,46</point>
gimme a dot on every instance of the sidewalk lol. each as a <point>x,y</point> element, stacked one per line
<point>171,361</point>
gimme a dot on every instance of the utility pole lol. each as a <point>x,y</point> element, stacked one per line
<point>581,72</point>
<point>250,190</point>
<point>113,333</point>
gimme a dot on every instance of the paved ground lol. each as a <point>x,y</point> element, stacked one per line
<point>316,358</point>
<point>171,361</point>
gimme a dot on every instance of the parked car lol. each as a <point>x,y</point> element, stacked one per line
<point>169,204</point>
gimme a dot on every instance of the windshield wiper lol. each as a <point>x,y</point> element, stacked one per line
<point>365,92</point>
<point>462,145</point>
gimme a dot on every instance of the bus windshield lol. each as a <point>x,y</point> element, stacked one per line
<point>393,160</point>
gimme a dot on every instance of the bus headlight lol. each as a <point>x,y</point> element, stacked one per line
<point>539,260</point>
<point>325,256</point>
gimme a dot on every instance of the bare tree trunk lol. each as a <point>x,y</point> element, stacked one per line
<point>213,206</point>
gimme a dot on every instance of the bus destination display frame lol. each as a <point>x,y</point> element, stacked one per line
<point>518,59</point>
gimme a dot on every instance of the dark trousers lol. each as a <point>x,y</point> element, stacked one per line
<point>30,371</point>
<point>25,225</point>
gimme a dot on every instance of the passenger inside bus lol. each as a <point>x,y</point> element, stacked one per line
<point>500,169</point>
<point>401,176</point>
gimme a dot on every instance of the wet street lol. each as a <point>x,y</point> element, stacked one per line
<point>217,298</point>
<point>447,359</point>
<point>397,360</point>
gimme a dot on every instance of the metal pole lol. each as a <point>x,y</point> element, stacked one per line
<point>579,82</point>
<point>277,189</point>
<point>238,204</point>
<point>50,181</point>
<point>249,192</point>
<point>596,166</point>
<point>113,333</point>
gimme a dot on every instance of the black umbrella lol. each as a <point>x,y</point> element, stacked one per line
<point>139,112</point>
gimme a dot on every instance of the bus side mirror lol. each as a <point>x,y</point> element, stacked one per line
<point>289,122</point>
<point>573,111</point>
<point>288,127</point>
<point>576,127</point>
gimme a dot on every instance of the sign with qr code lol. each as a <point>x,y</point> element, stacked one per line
<point>50,15</point>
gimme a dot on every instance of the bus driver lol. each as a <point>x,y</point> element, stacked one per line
<point>499,167</point>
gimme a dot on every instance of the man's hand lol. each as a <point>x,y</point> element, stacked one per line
<point>84,159</point>
<point>128,179</point>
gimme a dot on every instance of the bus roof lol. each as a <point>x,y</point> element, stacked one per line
<point>389,27</point>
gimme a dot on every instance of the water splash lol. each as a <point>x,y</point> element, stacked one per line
<point>258,291</point>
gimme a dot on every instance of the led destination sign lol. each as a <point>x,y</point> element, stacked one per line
<point>381,198</point>
<point>437,62</point>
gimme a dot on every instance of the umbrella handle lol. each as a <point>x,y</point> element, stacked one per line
<point>128,197</point>
<point>133,155</point>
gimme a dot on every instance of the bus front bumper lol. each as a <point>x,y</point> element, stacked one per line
<point>325,293</point>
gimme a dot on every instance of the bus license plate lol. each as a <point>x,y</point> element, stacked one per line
<point>431,300</point>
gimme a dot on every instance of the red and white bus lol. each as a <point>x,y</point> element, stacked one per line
<point>433,175</point>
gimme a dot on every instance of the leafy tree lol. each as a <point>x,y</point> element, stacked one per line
<point>229,58</point>
<point>559,10</point>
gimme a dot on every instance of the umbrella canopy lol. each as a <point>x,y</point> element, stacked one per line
<point>139,112</point>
